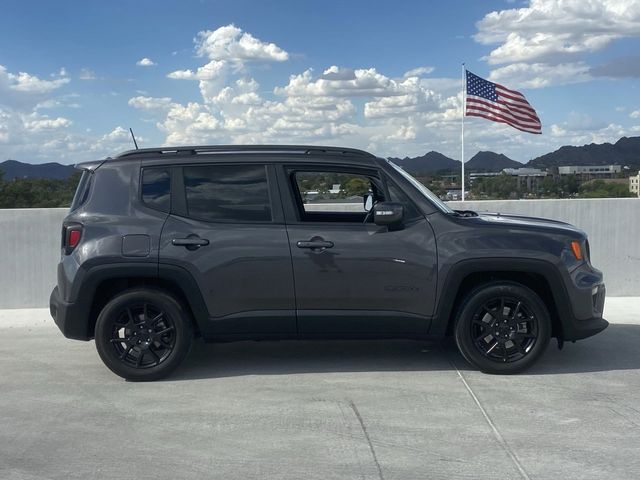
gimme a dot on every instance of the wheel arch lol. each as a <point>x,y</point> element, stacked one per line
<point>538,275</point>
<point>101,283</point>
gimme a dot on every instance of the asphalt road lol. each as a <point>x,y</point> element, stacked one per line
<point>312,410</point>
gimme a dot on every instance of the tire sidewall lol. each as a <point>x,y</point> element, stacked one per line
<point>475,300</point>
<point>162,300</point>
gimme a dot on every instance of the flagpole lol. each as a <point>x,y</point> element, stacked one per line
<point>462,130</point>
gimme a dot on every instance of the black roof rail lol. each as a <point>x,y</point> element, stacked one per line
<point>204,149</point>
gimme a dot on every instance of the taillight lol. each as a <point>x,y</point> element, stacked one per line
<point>72,237</point>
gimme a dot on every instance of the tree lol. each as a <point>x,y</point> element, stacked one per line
<point>501,186</point>
<point>602,189</point>
<point>356,186</point>
<point>38,192</point>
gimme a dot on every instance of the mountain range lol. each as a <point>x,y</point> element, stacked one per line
<point>625,151</point>
<point>12,169</point>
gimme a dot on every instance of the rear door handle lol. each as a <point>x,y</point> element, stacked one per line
<point>315,244</point>
<point>192,242</point>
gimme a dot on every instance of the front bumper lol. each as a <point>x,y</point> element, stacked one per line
<point>69,317</point>
<point>587,294</point>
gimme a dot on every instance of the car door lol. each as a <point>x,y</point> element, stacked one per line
<point>352,276</point>
<point>226,228</point>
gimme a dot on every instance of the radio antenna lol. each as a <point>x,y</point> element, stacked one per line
<point>134,138</point>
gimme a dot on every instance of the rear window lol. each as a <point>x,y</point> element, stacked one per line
<point>231,193</point>
<point>156,188</point>
<point>82,191</point>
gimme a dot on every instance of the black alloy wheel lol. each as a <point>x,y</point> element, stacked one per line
<point>143,334</point>
<point>502,327</point>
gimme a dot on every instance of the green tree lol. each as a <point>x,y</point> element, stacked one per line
<point>38,192</point>
<point>356,186</point>
<point>501,186</point>
<point>602,189</point>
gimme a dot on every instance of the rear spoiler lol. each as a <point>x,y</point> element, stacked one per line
<point>91,166</point>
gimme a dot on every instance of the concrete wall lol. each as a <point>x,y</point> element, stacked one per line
<point>31,243</point>
<point>29,254</point>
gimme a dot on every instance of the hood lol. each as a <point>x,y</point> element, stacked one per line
<point>535,223</point>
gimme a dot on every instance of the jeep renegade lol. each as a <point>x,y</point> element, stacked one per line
<point>289,242</point>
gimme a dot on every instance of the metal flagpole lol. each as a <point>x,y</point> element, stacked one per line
<point>464,71</point>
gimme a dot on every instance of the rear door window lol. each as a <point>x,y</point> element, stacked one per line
<point>156,188</point>
<point>227,193</point>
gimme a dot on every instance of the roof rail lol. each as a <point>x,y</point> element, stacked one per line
<point>204,149</point>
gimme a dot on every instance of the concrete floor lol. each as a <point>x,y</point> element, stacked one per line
<point>310,410</point>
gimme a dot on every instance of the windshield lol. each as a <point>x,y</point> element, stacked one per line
<point>422,189</point>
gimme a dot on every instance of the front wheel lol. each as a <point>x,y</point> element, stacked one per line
<point>502,328</point>
<point>143,334</point>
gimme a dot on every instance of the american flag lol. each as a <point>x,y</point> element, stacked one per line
<point>500,104</point>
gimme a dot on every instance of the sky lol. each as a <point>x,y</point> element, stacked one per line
<point>382,76</point>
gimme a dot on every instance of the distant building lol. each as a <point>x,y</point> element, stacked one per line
<point>634,184</point>
<point>474,176</point>
<point>589,172</point>
<point>527,177</point>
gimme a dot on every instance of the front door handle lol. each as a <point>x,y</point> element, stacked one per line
<point>315,244</point>
<point>192,242</point>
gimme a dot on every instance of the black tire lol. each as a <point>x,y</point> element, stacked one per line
<point>502,328</point>
<point>143,334</point>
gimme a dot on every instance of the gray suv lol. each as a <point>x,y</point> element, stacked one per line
<point>287,242</point>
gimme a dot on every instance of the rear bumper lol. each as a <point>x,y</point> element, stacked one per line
<point>69,317</point>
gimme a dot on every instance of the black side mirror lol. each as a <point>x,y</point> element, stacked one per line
<point>388,213</point>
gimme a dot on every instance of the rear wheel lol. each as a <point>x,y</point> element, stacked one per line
<point>502,328</point>
<point>143,334</point>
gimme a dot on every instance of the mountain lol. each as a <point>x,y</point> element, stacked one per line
<point>427,163</point>
<point>14,169</point>
<point>625,151</point>
<point>490,162</point>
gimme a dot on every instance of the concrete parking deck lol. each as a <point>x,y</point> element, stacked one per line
<point>311,410</point>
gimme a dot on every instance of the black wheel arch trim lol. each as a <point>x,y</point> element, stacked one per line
<point>445,304</point>
<point>78,313</point>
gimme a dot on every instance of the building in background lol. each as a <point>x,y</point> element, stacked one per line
<point>528,178</point>
<point>591,172</point>
<point>634,184</point>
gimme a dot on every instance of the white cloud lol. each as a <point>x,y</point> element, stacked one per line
<point>38,123</point>
<point>150,103</point>
<point>418,72</point>
<point>231,43</point>
<point>145,62</point>
<point>635,114</point>
<point>27,83</point>
<point>340,82</point>
<point>552,29</point>
<point>538,75</point>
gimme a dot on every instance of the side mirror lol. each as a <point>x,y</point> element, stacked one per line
<point>388,213</point>
<point>368,202</point>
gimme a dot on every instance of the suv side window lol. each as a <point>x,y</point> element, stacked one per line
<point>227,193</point>
<point>156,188</point>
<point>333,196</point>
